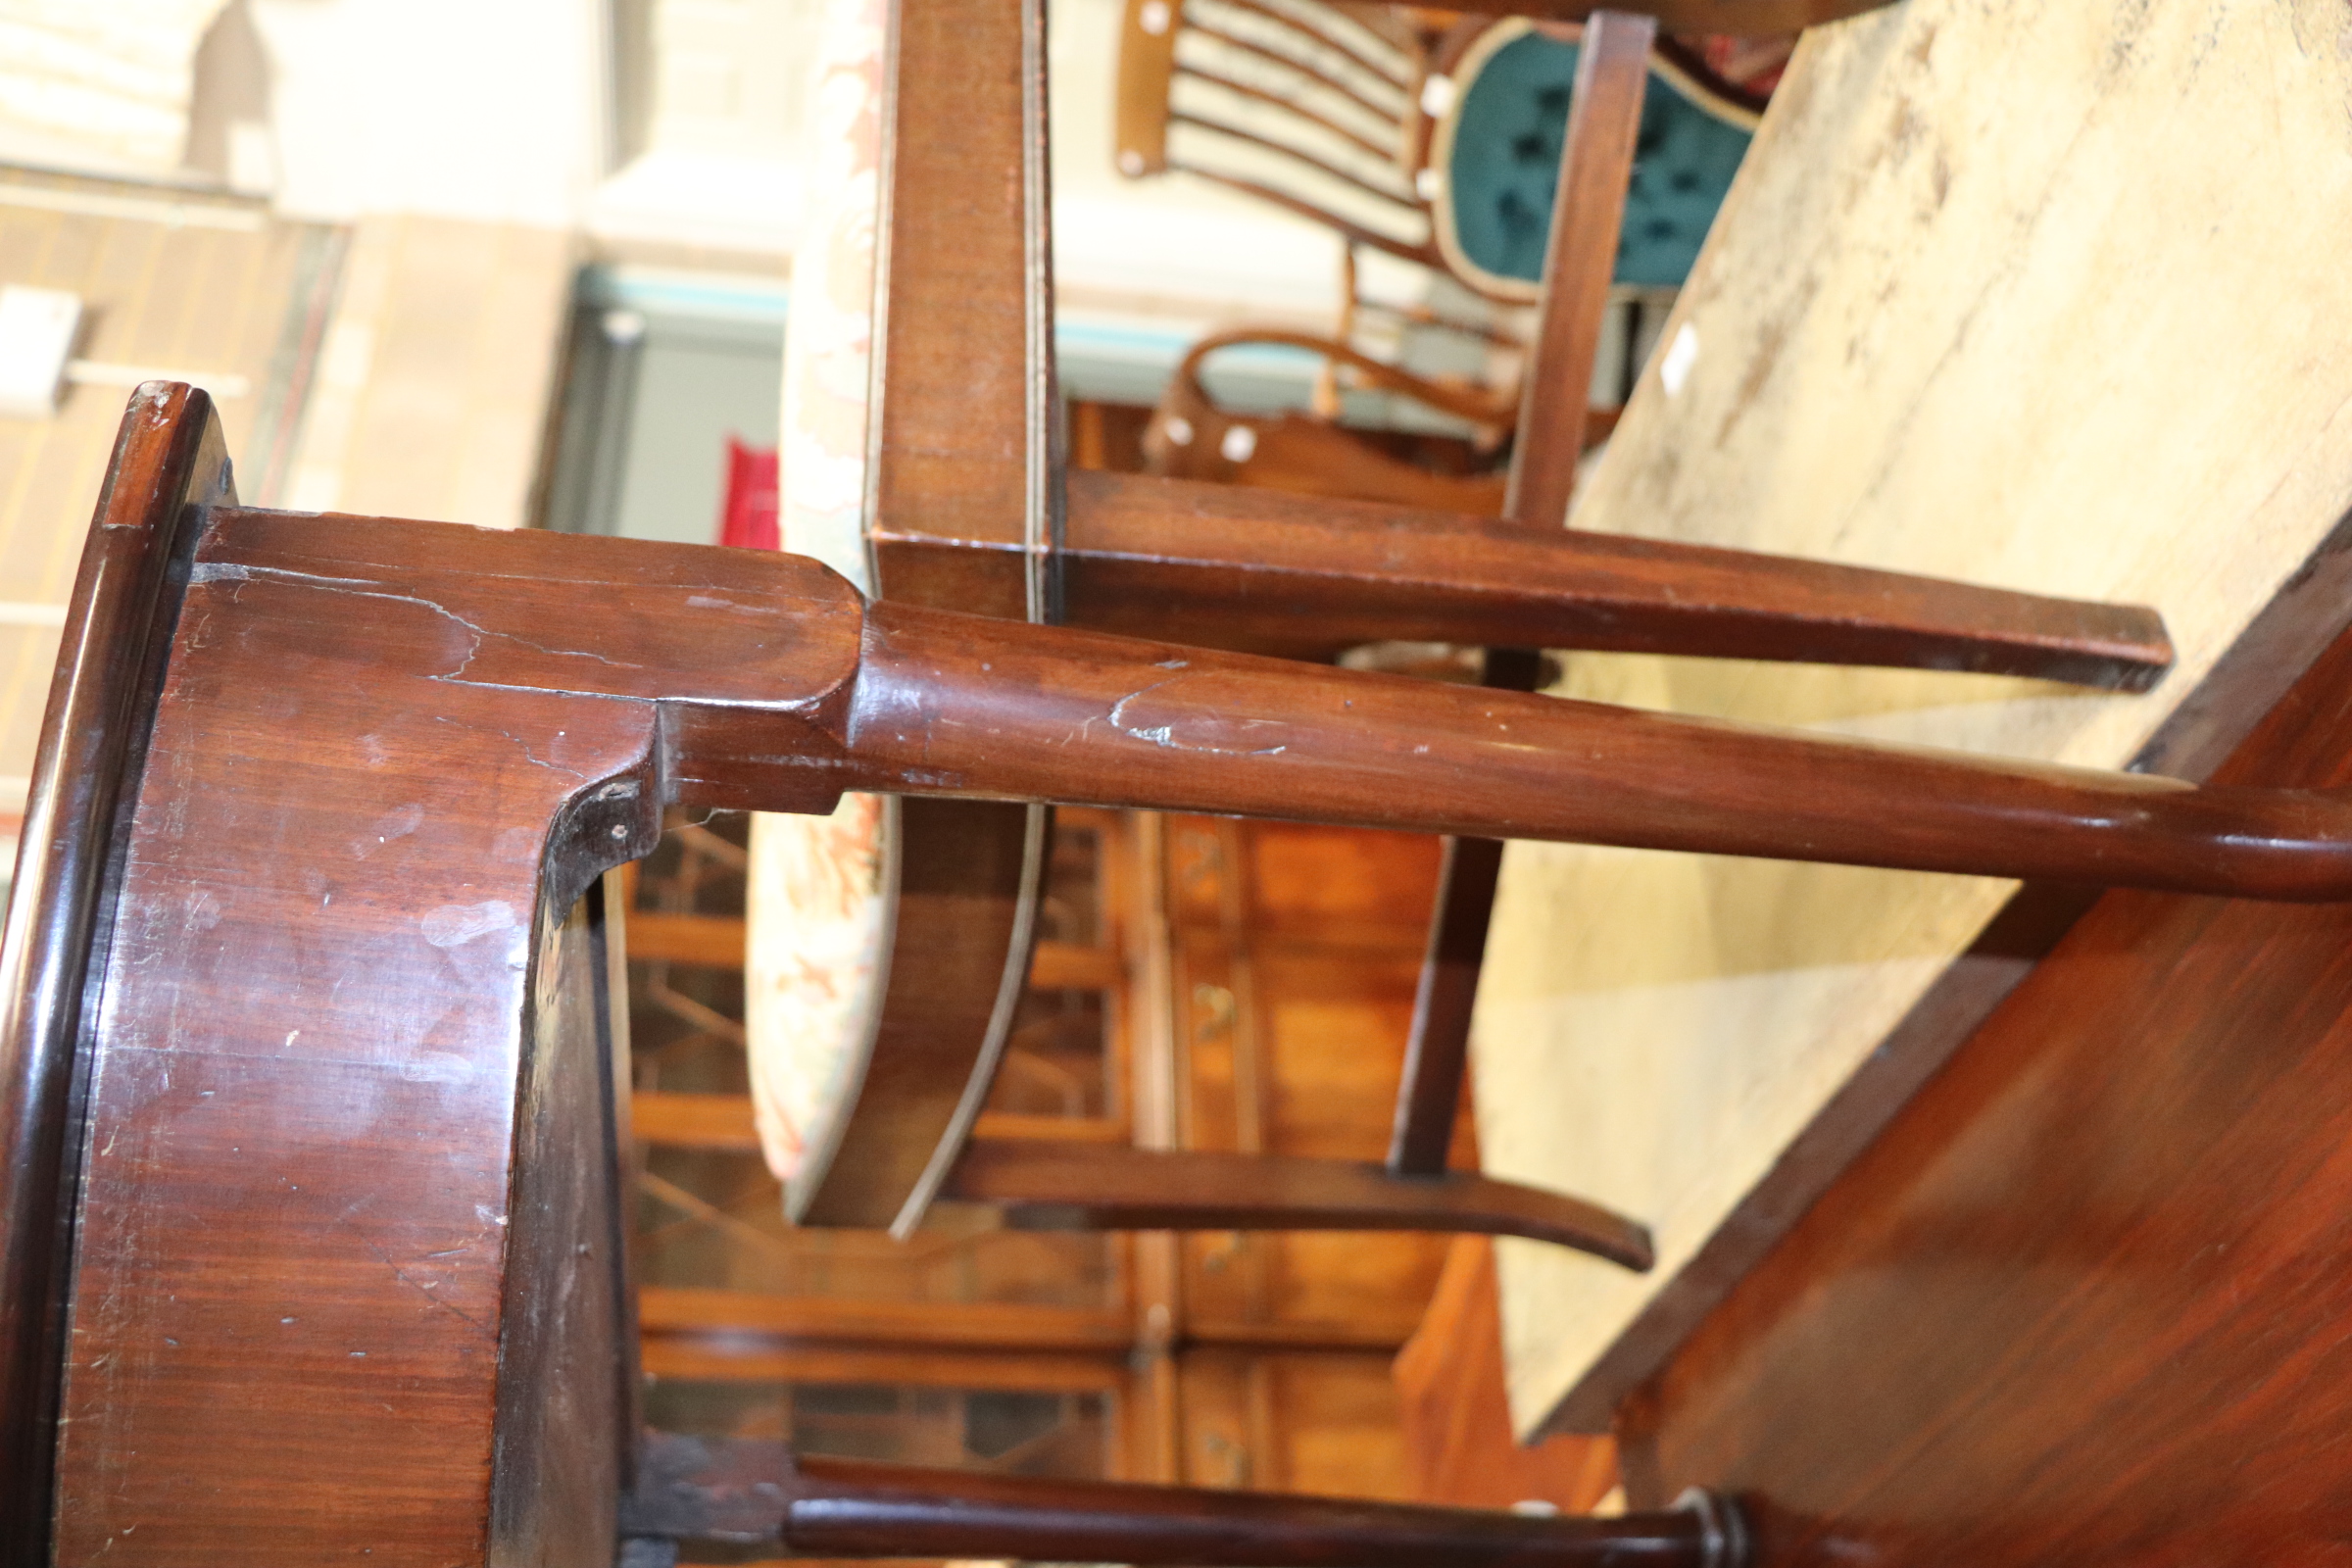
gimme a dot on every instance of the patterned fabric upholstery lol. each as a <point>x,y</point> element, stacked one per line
<point>818,913</point>
<point>1500,151</point>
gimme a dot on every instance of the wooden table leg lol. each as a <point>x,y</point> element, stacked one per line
<point>747,1498</point>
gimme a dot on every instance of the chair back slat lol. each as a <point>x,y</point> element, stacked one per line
<point>1323,67</point>
<point>1331,28</point>
<point>1292,101</point>
<point>1304,111</point>
<point>1314,170</point>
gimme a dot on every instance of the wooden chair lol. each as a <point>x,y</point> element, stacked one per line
<point>1436,145</point>
<point>965,505</point>
<point>311,1238</point>
<point>1193,436</point>
<point>301,1021</point>
<point>1348,119</point>
<point>1330,77</point>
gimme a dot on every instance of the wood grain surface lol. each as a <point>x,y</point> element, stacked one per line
<point>2074,328</point>
<point>299,1206</point>
<point>317,1305</point>
<point>1579,262</point>
<point>567,1433</point>
<point>168,458</point>
<point>1455,1412</point>
<point>1061,1186</point>
<point>963,430</point>
<point>1230,566</point>
<point>2083,1302</point>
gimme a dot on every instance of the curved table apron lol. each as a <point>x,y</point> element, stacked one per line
<point>869,1070</point>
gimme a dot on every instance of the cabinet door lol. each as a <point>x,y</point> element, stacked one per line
<point>1297,950</point>
<point>1318,1421</point>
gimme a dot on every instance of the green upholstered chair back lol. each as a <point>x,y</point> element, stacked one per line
<point>1498,152</point>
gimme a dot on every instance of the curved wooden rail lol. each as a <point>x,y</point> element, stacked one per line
<point>167,456</point>
<point>1044,1186</point>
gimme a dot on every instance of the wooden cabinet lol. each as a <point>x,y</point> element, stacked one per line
<point>1294,953</point>
<point>1201,983</point>
<point>1291,955</point>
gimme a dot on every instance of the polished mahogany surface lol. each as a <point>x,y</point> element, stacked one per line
<point>387,758</point>
<point>945,702</point>
<point>1579,262</point>
<point>340,923</point>
<point>965,412</point>
<point>2084,1301</point>
<point>567,1425</point>
<point>1257,570</point>
<point>751,1498</point>
<point>168,458</point>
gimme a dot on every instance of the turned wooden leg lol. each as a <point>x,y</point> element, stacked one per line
<point>1056,1186</point>
<point>733,1499</point>
<point>957,704</point>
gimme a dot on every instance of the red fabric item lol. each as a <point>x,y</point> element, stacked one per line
<point>1755,65</point>
<point>747,520</point>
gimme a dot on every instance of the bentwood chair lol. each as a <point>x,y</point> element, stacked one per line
<point>1441,147</point>
<point>310,1240</point>
<point>889,942</point>
<point>1192,435</point>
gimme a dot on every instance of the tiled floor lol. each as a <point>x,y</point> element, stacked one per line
<point>403,367</point>
<point>432,391</point>
<point>170,281</point>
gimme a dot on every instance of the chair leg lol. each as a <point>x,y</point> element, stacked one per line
<point>1057,1186</point>
<point>1580,259</point>
<point>732,1500</point>
<point>1438,1051</point>
<point>1231,567</point>
<point>950,704</point>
